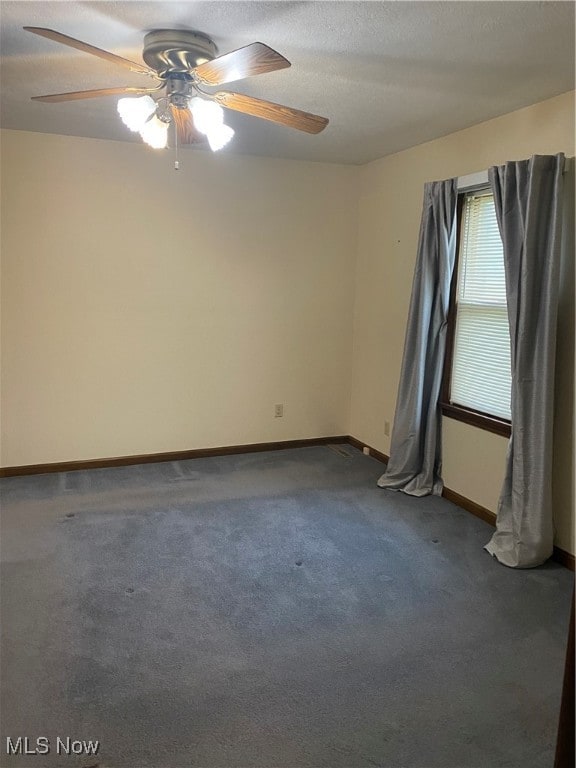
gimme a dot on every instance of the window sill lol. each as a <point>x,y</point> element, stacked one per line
<point>477,419</point>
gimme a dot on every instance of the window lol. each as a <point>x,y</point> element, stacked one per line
<point>477,380</point>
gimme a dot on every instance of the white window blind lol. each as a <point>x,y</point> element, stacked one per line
<point>481,355</point>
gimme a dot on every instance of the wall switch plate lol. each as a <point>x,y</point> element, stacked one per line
<point>278,411</point>
<point>387,428</point>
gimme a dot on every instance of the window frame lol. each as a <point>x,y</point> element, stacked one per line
<point>462,413</point>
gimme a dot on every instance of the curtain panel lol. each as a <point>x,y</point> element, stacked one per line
<point>529,199</point>
<point>415,454</point>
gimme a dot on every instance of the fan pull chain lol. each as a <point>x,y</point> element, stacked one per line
<point>176,160</point>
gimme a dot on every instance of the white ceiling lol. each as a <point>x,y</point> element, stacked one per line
<point>389,75</point>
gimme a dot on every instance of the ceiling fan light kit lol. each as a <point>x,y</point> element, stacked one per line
<point>183,63</point>
<point>151,119</point>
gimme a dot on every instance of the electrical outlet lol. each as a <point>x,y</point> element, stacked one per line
<point>278,411</point>
<point>387,428</point>
<point>366,451</point>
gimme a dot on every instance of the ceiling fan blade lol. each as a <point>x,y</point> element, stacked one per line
<point>185,128</point>
<point>253,59</point>
<point>292,118</point>
<point>58,37</point>
<point>94,94</point>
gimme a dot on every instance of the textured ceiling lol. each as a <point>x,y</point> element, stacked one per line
<point>389,75</point>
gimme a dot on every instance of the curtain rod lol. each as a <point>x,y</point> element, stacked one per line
<point>481,177</point>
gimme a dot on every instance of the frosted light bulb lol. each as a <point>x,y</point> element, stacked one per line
<point>207,114</point>
<point>135,112</point>
<point>220,136</point>
<point>155,133</point>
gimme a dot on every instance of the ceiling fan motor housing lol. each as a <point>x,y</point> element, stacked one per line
<point>177,51</point>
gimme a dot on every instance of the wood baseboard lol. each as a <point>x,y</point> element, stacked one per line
<point>470,506</point>
<point>373,452</point>
<point>153,458</point>
<point>559,555</point>
<point>564,558</point>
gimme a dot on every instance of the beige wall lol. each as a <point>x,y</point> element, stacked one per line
<point>389,216</point>
<point>150,310</point>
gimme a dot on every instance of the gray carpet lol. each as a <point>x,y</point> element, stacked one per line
<point>271,610</point>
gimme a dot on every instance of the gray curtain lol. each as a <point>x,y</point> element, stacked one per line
<point>415,453</point>
<point>528,198</point>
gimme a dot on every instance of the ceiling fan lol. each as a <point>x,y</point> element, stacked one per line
<point>183,63</point>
